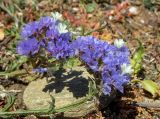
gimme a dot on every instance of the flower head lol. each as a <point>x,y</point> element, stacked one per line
<point>61,47</point>
<point>62,28</point>
<point>126,69</point>
<point>40,70</point>
<point>28,47</point>
<point>90,49</point>
<point>56,16</point>
<point>47,33</point>
<point>105,59</point>
<point>29,29</point>
<point>45,22</point>
<point>119,43</point>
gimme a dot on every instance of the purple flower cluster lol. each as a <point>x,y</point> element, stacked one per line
<point>46,33</point>
<point>105,59</point>
<point>110,61</point>
<point>40,70</point>
<point>62,47</point>
<point>90,51</point>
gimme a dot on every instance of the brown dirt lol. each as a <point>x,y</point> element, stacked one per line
<point>130,28</point>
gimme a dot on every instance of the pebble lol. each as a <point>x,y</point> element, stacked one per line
<point>90,15</point>
<point>1,34</point>
<point>75,9</point>
<point>30,117</point>
<point>142,21</point>
<point>133,10</point>
<point>74,0</point>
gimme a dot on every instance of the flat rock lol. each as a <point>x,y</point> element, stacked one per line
<point>67,87</point>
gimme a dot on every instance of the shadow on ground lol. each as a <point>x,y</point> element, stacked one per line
<point>73,80</point>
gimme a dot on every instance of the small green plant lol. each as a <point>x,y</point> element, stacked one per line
<point>90,7</point>
<point>46,46</point>
<point>148,4</point>
<point>136,61</point>
<point>149,86</point>
<point>137,58</point>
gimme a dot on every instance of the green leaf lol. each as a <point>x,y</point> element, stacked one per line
<point>150,87</point>
<point>9,104</point>
<point>137,67</point>
<point>72,62</point>
<point>136,61</point>
<point>51,60</point>
<point>17,63</point>
<point>91,7</point>
<point>148,4</point>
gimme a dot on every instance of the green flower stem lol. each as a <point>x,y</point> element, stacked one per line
<point>136,81</point>
<point>9,13</point>
<point>26,112</point>
<point>51,110</point>
<point>13,74</point>
<point>73,105</point>
<point>10,101</point>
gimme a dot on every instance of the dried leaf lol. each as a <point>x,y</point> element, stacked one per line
<point>107,36</point>
<point>95,34</point>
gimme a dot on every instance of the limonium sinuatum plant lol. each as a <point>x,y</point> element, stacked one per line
<point>110,61</point>
<point>49,34</point>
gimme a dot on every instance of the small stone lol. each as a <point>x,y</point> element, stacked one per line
<point>110,17</point>
<point>67,88</point>
<point>75,1</point>
<point>1,34</point>
<point>30,117</point>
<point>20,14</point>
<point>90,15</point>
<point>133,10</point>
<point>75,9</point>
<point>142,21</point>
